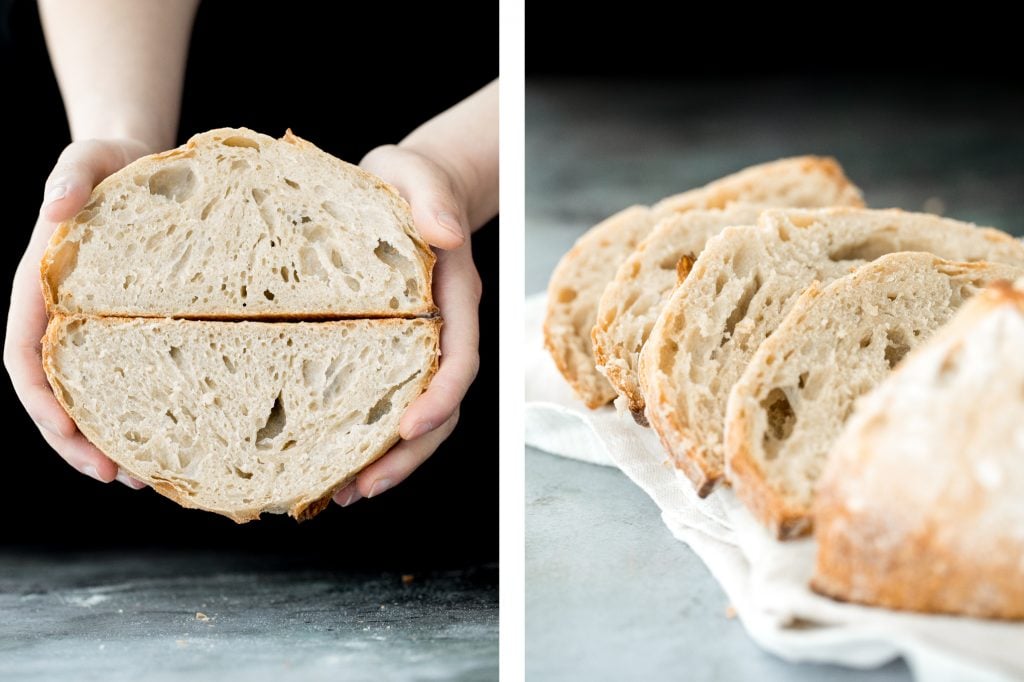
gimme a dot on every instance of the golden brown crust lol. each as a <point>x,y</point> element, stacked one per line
<point>301,510</point>
<point>919,573</point>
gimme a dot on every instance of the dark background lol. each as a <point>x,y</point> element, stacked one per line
<point>269,66</point>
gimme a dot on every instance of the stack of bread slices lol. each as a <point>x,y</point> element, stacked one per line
<point>742,321</point>
<point>240,322</point>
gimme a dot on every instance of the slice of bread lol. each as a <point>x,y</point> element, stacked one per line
<point>836,343</point>
<point>240,418</point>
<point>236,224</point>
<point>920,506</point>
<point>583,273</point>
<point>631,302</point>
<point>739,290</point>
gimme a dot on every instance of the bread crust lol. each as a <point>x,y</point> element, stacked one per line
<point>896,551</point>
<point>302,509</point>
<point>51,267</point>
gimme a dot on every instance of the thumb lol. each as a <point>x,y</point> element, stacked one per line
<point>81,166</point>
<point>439,217</point>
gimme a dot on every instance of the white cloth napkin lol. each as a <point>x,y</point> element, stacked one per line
<point>765,580</point>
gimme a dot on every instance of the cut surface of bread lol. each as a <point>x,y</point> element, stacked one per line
<point>240,418</point>
<point>236,224</point>
<point>630,304</point>
<point>580,278</point>
<point>921,506</point>
<point>739,290</point>
<point>836,343</point>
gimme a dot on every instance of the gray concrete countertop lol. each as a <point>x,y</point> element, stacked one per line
<point>204,616</point>
<point>610,593</point>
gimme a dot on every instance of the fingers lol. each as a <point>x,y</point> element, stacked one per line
<point>81,166</point>
<point>439,215</point>
<point>401,460</point>
<point>83,456</point>
<point>348,495</point>
<point>457,292</point>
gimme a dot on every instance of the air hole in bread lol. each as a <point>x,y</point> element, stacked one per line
<point>268,294</point>
<point>336,259</point>
<point>135,437</point>
<point>667,263</point>
<point>284,272</point>
<point>566,295</point>
<point>227,363</point>
<point>239,165</point>
<point>866,341</point>
<point>209,207</point>
<point>244,291</point>
<point>258,195</point>
<point>291,183</point>
<point>171,416</point>
<point>720,283</point>
<point>393,303</point>
<point>310,264</point>
<point>240,141</point>
<point>740,311</point>
<point>802,380</point>
<point>867,250</point>
<point>276,421</point>
<point>896,347</point>
<point>65,396</point>
<point>352,282</point>
<point>331,209</point>
<point>781,420</point>
<point>242,473</point>
<point>288,445</point>
<point>801,220</point>
<point>176,182</point>
<point>176,357</point>
<point>783,233</point>
<point>391,257</point>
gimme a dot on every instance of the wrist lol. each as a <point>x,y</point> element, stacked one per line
<point>125,123</point>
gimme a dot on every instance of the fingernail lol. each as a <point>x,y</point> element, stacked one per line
<point>379,486</point>
<point>132,483</point>
<point>55,193</point>
<point>420,429</point>
<point>353,496</point>
<point>451,223</point>
<point>90,470</point>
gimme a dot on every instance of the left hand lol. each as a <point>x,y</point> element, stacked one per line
<point>438,200</point>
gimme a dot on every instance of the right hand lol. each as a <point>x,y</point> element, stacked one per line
<point>81,166</point>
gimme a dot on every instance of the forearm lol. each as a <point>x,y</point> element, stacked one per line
<point>464,140</point>
<point>120,65</point>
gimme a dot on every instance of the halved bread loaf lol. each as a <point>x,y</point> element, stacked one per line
<point>240,418</point>
<point>835,344</point>
<point>739,290</point>
<point>236,224</point>
<point>631,302</point>
<point>583,273</point>
<point>920,506</point>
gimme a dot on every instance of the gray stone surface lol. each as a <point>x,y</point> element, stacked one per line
<point>610,593</point>
<point>137,617</point>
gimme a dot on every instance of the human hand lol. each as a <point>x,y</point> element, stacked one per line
<point>81,166</point>
<point>438,199</point>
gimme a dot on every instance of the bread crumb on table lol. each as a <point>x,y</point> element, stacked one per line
<point>202,616</point>
<point>407,578</point>
<point>730,611</point>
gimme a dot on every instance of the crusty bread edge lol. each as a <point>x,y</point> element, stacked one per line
<point>559,349</point>
<point>843,572</point>
<point>49,286</point>
<point>302,510</point>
